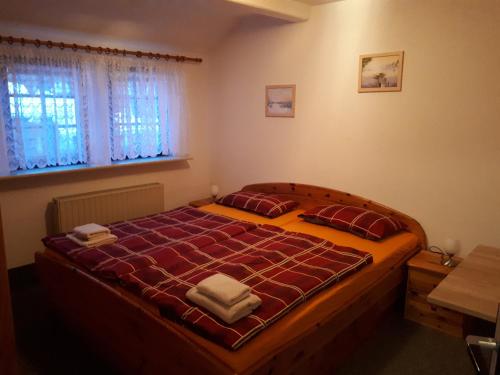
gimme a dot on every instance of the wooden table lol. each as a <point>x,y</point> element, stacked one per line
<point>473,287</point>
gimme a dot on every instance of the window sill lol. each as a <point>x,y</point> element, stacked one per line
<point>84,168</point>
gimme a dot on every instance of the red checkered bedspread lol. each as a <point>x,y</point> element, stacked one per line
<point>140,240</point>
<point>283,268</point>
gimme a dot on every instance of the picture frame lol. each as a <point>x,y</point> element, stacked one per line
<point>280,101</point>
<point>380,72</point>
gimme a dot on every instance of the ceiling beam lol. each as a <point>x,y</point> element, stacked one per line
<point>289,10</point>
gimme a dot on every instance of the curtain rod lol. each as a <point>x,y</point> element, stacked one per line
<point>100,50</point>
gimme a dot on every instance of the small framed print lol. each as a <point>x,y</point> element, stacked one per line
<point>280,101</point>
<point>380,72</point>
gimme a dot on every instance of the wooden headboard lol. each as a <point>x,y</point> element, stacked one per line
<point>310,196</point>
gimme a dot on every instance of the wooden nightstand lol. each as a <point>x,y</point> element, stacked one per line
<point>424,273</point>
<point>201,202</point>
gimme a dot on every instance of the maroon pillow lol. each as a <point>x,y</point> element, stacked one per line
<point>269,205</point>
<point>359,221</point>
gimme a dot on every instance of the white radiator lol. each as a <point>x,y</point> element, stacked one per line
<point>108,206</point>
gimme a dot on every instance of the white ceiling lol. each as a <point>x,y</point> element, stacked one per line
<point>190,25</point>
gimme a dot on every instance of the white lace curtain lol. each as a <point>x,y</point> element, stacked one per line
<point>64,107</point>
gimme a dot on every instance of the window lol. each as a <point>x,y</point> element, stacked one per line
<point>136,127</point>
<point>60,108</point>
<point>44,126</point>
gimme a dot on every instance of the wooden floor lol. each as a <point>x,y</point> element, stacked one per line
<point>45,346</point>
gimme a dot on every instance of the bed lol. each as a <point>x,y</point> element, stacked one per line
<point>315,336</point>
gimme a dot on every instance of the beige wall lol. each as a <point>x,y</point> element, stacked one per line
<point>24,201</point>
<point>432,150</point>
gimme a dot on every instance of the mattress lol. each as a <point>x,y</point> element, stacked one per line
<point>380,250</point>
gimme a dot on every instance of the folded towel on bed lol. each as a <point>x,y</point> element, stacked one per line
<point>88,231</point>
<point>228,314</point>
<point>223,289</point>
<point>103,239</point>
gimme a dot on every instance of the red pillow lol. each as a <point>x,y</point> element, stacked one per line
<point>359,221</point>
<point>261,203</point>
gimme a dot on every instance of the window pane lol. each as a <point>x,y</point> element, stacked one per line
<point>44,124</point>
<point>29,109</point>
<point>60,111</point>
<point>136,130</point>
<point>12,106</point>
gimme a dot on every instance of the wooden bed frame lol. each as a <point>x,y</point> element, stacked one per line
<point>132,335</point>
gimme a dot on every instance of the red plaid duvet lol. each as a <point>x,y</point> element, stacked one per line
<point>283,268</point>
<point>141,240</point>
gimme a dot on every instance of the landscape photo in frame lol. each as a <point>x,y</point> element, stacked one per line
<point>380,72</point>
<point>280,101</point>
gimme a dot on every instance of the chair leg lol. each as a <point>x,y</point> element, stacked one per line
<point>488,343</point>
<point>491,344</point>
<point>473,359</point>
<point>493,362</point>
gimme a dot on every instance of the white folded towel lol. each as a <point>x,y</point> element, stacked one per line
<point>224,289</point>
<point>88,231</point>
<point>228,314</point>
<point>103,239</point>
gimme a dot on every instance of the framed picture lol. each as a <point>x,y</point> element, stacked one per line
<point>280,101</point>
<point>380,72</point>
